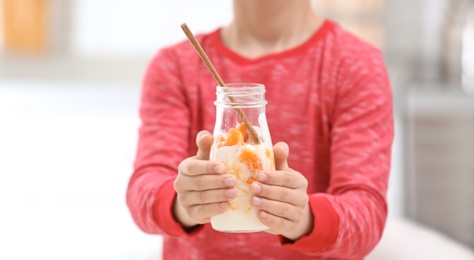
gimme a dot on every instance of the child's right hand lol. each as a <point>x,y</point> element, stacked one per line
<point>203,190</point>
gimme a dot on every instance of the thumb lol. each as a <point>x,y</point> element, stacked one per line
<point>281,152</point>
<point>204,141</point>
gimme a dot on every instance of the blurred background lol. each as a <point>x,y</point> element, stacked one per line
<point>70,76</point>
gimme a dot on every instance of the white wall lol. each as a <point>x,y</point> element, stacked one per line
<point>140,27</point>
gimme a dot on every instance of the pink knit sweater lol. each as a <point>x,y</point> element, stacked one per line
<point>328,98</point>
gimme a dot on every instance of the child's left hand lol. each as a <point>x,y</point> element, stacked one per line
<point>281,198</point>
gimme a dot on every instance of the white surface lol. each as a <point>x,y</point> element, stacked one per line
<point>66,153</point>
<point>406,240</point>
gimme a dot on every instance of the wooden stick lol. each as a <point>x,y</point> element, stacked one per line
<point>213,70</point>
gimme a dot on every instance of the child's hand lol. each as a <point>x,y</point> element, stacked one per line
<point>203,191</point>
<point>282,199</point>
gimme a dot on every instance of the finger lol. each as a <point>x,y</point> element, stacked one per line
<point>194,198</point>
<point>275,223</point>
<point>204,141</point>
<point>281,151</point>
<point>207,182</point>
<point>204,212</point>
<point>290,179</point>
<point>193,167</point>
<point>279,193</point>
<point>277,208</point>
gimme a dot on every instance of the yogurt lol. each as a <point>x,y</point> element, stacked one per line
<point>243,159</point>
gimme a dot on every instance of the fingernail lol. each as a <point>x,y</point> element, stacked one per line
<point>201,135</point>
<point>219,168</point>
<point>262,177</point>
<point>230,193</point>
<point>263,214</point>
<point>255,188</point>
<point>230,182</point>
<point>256,201</point>
<point>223,205</point>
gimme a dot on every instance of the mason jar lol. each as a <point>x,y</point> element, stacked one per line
<point>243,144</point>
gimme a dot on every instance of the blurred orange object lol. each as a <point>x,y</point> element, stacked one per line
<point>24,25</point>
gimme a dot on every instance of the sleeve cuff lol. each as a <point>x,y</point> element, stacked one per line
<point>163,213</point>
<point>325,228</point>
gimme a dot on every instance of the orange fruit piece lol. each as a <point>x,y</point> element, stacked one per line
<point>251,160</point>
<point>234,138</point>
<point>243,130</point>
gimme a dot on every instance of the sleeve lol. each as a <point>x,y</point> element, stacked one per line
<point>349,219</point>
<point>163,143</point>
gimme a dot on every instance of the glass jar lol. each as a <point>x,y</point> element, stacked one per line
<point>243,144</point>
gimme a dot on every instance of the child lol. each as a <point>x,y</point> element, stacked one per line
<point>329,112</point>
